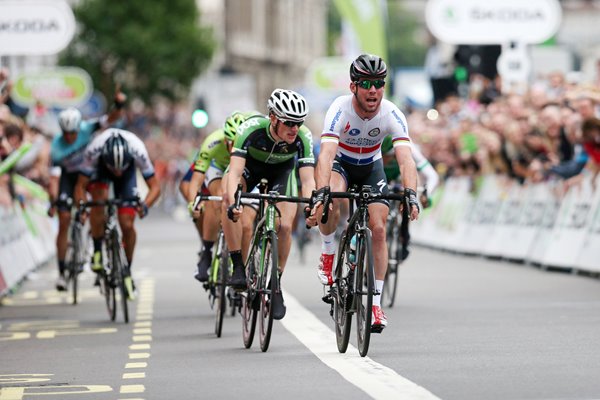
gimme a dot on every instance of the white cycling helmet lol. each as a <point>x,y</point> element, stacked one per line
<point>69,119</point>
<point>288,105</point>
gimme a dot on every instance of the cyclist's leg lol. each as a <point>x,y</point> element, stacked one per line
<point>98,190</point>
<point>338,183</point>
<point>248,217</point>
<point>210,226</point>
<point>125,187</point>
<point>66,187</point>
<point>233,237</point>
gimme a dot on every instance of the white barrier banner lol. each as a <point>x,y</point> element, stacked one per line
<point>481,219</point>
<point>589,255</point>
<point>509,215</point>
<point>571,226</point>
<point>524,233</point>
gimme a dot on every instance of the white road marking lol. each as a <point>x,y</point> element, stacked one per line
<point>376,380</point>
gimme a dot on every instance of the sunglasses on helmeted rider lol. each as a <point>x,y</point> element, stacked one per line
<point>292,124</point>
<point>366,84</point>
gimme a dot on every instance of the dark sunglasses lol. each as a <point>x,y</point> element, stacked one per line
<point>379,83</point>
<point>292,124</point>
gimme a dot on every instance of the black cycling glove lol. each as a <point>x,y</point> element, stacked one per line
<point>410,198</point>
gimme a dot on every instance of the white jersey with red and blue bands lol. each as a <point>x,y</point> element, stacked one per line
<point>359,140</point>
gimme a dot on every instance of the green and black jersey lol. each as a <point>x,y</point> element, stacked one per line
<point>254,141</point>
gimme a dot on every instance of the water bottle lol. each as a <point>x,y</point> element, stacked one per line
<point>352,254</point>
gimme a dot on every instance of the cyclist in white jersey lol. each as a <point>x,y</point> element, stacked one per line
<point>355,125</point>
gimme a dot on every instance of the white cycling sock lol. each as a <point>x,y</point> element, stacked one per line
<point>328,244</point>
<point>377,298</point>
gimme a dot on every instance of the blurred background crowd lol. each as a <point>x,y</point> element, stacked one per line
<point>219,56</point>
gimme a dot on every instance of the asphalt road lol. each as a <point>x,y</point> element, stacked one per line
<point>462,328</point>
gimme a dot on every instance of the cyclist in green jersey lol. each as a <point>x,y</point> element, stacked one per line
<point>269,147</point>
<point>427,174</point>
<point>209,167</point>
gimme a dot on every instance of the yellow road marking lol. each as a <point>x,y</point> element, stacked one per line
<point>142,346</point>
<point>143,324</point>
<point>136,365</point>
<point>142,338</point>
<point>18,393</point>
<point>132,389</point>
<point>24,378</point>
<point>134,375</point>
<point>71,332</point>
<point>142,331</point>
<point>14,336</point>
<point>134,356</point>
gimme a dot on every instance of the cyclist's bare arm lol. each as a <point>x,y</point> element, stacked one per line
<point>153,191</point>
<point>195,185</point>
<point>325,163</point>
<point>307,177</point>
<point>408,171</point>
<point>236,168</point>
<point>79,191</point>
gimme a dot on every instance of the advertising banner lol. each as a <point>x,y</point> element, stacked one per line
<point>35,27</point>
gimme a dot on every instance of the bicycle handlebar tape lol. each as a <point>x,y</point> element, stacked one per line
<point>238,197</point>
<point>230,211</point>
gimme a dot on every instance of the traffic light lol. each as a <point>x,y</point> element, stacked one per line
<point>199,115</point>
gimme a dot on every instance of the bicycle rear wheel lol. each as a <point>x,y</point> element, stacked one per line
<point>110,295</point>
<point>342,298</point>
<point>78,258</point>
<point>388,295</point>
<point>269,285</point>
<point>249,298</point>
<point>364,288</point>
<point>221,283</point>
<point>69,273</point>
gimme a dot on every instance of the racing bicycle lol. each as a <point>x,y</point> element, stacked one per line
<point>262,265</point>
<point>354,273</point>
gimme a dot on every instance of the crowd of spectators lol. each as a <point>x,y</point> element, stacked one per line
<point>552,131</point>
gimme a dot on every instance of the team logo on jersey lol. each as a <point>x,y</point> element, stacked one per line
<point>347,127</point>
<point>374,132</point>
<point>354,132</point>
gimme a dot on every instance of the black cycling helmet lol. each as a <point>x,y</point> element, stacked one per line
<point>368,66</point>
<point>115,153</point>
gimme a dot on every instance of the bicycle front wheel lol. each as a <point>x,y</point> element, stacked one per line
<point>268,287</point>
<point>364,288</point>
<point>342,298</point>
<point>119,275</point>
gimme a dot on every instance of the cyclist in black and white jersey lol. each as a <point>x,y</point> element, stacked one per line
<point>354,128</point>
<point>113,157</point>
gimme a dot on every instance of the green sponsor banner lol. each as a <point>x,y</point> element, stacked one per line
<point>368,22</point>
<point>57,87</point>
<point>13,158</point>
<point>329,74</point>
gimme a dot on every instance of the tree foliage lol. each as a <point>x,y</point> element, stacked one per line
<point>147,47</point>
<point>403,48</point>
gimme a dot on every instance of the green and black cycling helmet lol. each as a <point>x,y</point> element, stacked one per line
<point>368,66</point>
<point>233,122</point>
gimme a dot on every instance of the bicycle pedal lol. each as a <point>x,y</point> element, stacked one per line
<point>327,299</point>
<point>377,328</point>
